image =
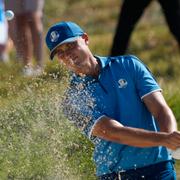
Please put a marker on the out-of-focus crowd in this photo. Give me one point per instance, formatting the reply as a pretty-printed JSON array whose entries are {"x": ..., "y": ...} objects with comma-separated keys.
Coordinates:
[{"x": 25, "y": 32}]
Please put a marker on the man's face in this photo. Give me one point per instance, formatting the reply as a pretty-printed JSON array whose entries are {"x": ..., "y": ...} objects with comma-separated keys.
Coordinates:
[{"x": 74, "y": 55}]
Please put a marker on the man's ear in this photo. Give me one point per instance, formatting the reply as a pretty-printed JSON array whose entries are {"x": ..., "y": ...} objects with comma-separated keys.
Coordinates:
[{"x": 86, "y": 38}]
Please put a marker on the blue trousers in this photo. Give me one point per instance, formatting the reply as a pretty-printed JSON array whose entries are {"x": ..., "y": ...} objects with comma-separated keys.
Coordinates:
[{"x": 159, "y": 171}]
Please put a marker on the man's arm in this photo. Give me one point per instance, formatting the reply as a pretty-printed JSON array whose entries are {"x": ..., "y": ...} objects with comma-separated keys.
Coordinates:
[
  {"x": 160, "y": 110},
  {"x": 111, "y": 130}
]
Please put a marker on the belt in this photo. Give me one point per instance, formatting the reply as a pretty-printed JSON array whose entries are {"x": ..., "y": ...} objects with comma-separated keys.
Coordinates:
[{"x": 139, "y": 173}]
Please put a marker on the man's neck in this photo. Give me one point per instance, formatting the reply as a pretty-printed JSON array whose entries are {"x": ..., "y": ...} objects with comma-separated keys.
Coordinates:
[{"x": 95, "y": 70}]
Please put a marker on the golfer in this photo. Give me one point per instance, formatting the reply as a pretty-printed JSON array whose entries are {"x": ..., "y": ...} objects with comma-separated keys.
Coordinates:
[{"x": 117, "y": 103}]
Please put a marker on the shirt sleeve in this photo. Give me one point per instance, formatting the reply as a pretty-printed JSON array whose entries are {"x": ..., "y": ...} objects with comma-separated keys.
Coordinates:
[{"x": 144, "y": 80}]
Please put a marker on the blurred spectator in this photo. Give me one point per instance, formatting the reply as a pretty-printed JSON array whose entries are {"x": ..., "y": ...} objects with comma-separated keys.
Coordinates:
[
  {"x": 28, "y": 36},
  {"x": 131, "y": 12},
  {"x": 3, "y": 34}
]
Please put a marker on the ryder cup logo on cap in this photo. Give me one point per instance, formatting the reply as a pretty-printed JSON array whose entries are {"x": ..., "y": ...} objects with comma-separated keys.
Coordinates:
[
  {"x": 54, "y": 36},
  {"x": 60, "y": 33}
]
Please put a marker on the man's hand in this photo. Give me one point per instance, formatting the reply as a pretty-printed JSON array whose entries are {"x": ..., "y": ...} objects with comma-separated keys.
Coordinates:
[{"x": 172, "y": 140}]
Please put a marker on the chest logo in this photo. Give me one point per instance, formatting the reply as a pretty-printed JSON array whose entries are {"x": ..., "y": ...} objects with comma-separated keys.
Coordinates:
[{"x": 122, "y": 83}]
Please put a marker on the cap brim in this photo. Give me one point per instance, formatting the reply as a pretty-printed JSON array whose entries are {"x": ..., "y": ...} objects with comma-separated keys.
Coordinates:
[{"x": 53, "y": 51}]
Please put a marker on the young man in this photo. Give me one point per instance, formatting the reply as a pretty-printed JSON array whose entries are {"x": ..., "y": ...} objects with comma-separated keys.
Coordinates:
[{"x": 116, "y": 103}]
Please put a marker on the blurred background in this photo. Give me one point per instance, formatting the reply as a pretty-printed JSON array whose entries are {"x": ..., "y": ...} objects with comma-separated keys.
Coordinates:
[{"x": 36, "y": 141}]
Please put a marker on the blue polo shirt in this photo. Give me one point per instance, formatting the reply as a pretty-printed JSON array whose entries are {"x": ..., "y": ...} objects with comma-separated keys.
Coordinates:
[{"x": 117, "y": 93}]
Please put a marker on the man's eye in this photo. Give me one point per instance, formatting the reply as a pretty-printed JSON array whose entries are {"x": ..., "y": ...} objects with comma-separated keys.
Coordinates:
[
  {"x": 70, "y": 46},
  {"x": 60, "y": 52}
]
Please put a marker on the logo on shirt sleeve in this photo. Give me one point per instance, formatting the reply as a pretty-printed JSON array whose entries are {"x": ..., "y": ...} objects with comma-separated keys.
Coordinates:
[{"x": 122, "y": 83}]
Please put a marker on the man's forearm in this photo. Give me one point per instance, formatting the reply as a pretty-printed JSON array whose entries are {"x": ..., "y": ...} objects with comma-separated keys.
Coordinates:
[
  {"x": 138, "y": 137},
  {"x": 112, "y": 130},
  {"x": 166, "y": 120}
]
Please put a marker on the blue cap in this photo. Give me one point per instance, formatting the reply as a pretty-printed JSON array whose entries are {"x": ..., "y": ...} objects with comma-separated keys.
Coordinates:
[{"x": 60, "y": 33}]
